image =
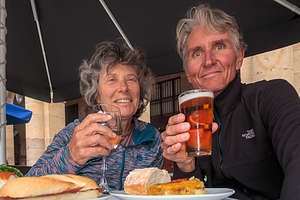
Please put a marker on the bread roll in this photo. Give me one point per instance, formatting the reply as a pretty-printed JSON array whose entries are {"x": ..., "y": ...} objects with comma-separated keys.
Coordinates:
[
  {"x": 139, "y": 180},
  {"x": 58, "y": 187}
]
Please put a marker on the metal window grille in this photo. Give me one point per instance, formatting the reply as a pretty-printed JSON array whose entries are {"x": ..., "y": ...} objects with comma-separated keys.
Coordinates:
[{"x": 165, "y": 97}]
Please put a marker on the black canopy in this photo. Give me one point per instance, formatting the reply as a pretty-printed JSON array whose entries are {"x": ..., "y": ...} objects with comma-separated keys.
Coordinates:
[{"x": 71, "y": 28}]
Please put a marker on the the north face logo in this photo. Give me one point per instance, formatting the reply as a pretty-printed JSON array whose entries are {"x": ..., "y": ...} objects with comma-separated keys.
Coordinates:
[{"x": 248, "y": 134}]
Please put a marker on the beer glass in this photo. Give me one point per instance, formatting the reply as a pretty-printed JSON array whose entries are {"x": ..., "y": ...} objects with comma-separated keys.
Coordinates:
[
  {"x": 115, "y": 125},
  {"x": 197, "y": 106}
]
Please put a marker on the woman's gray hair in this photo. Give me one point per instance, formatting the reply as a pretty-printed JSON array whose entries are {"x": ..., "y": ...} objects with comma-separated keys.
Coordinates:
[
  {"x": 214, "y": 18},
  {"x": 108, "y": 54}
]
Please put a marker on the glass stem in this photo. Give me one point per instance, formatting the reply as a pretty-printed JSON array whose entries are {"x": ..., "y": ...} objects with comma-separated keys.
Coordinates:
[{"x": 103, "y": 166}]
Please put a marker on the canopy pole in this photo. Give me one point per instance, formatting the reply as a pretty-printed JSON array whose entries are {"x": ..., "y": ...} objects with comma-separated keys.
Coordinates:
[
  {"x": 116, "y": 23},
  {"x": 3, "y": 32},
  {"x": 289, "y": 5},
  {"x": 36, "y": 19}
]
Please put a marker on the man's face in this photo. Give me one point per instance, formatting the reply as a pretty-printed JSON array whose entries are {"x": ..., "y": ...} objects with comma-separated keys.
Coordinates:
[{"x": 211, "y": 59}]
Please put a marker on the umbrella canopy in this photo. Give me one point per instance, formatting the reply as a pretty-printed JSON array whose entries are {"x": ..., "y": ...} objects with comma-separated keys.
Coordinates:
[
  {"x": 16, "y": 114},
  {"x": 71, "y": 28}
]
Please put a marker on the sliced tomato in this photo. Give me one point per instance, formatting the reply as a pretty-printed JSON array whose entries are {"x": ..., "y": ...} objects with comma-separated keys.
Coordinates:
[{"x": 179, "y": 180}]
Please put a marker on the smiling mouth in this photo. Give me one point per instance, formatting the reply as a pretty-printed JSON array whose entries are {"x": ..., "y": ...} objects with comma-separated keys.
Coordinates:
[
  {"x": 123, "y": 101},
  {"x": 210, "y": 74}
]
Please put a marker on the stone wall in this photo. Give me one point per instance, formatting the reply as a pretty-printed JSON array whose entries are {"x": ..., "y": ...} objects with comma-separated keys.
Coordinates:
[
  {"x": 10, "y": 153},
  {"x": 281, "y": 63},
  {"x": 47, "y": 119}
]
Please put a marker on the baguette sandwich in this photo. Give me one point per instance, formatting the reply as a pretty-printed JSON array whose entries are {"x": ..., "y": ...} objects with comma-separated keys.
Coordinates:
[
  {"x": 5, "y": 176},
  {"x": 50, "y": 187},
  {"x": 8, "y": 173}
]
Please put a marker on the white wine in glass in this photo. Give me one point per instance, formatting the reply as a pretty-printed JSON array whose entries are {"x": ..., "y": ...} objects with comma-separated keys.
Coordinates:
[{"x": 115, "y": 125}]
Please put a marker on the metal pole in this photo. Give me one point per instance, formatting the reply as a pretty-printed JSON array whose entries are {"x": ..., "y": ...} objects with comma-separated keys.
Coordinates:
[
  {"x": 289, "y": 5},
  {"x": 36, "y": 19},
  {"x": 2, "y": 83},
  {"x": 116, "y": 23}
]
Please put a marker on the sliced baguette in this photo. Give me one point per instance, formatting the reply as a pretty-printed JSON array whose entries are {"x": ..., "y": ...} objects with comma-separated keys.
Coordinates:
[{"x": 139, "y": 180}]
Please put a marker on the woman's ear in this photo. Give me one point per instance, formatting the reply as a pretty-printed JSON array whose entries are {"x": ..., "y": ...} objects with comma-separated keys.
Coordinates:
[{"x": 98, "y": 101}]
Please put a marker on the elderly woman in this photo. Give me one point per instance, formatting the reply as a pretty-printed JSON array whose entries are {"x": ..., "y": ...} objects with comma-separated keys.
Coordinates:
[{"x": 113, "y": 75}]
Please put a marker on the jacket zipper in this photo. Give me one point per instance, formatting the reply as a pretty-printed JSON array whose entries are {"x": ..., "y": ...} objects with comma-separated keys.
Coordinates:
[
  {"x": 220, "y": 153},
  {"x": 220, "y": 148},
  {"x": 122, "y": 168}
]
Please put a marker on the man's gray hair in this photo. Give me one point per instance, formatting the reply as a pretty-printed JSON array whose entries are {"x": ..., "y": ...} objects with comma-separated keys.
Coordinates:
[{"x": 216, "y": 19}]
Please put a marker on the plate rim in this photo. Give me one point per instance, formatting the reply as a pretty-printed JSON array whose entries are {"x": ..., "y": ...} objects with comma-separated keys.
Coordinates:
[{"x": 121, "y": 193}]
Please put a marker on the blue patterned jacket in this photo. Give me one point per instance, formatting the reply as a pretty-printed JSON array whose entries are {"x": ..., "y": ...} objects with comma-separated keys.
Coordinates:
[{"x": 144, "y": 151}]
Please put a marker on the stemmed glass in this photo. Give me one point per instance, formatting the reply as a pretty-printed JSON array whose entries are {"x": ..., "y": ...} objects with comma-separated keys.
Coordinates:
[{"x": 115, "y": 125}]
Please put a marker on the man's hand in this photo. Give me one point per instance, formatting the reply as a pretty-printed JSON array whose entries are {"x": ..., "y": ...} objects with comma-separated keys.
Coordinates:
[
  {"x": 90, "y": 138},
  {"x": 174, "y": 138}
]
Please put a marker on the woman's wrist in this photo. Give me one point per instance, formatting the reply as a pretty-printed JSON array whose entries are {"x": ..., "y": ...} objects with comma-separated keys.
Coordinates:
[{"x": 187, "y": 166}]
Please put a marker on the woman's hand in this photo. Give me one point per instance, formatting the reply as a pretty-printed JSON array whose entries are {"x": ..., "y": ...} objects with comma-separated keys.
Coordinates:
[
  {"x": 89, "y": 140},
  {"x": 174, "y": 138}
]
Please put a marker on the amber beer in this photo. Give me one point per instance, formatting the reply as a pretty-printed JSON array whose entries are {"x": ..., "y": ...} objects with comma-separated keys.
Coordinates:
[{"x": 197, "y": 106}]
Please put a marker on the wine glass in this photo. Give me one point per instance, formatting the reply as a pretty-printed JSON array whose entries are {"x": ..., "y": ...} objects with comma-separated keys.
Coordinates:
[{"x": 115, "y": 125}]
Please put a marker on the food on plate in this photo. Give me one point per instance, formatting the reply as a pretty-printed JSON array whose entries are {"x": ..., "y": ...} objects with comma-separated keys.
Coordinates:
[
  {"x": 5, "y": 168},
  {"x": 154, "y": 181},
  {"x": 139, "y": 180},
  {"x": 5, "y": 176},
  {"x": 180, "y": 187},
  {"x": 8, "y": 173},
  {"x": 50, "y": 187}
]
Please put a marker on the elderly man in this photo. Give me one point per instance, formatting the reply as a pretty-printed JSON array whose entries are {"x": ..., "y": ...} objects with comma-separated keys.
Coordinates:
[{"x": 256, "y": 140}]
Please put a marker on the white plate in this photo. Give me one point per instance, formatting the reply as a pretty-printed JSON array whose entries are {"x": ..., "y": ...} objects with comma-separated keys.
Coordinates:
[
  {"x": 103, "y": 197},
  {"x": 211, "y": 194}
]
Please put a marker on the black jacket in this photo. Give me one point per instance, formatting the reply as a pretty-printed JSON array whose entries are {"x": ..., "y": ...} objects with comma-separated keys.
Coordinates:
[{"x": 256, "y": 149}]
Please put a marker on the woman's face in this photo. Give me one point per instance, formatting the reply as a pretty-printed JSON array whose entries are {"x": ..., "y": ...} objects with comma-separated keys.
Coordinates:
[{"x": 120, "y": 87}]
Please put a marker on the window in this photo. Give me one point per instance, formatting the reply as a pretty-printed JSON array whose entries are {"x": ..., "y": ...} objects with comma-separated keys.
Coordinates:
[
  {"x": 165, "y": 97},
  {"x": 164, "y": 103}
]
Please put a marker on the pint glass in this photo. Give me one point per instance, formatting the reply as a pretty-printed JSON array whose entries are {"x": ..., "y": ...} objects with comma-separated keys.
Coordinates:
[{"x": 197, "y": 106}]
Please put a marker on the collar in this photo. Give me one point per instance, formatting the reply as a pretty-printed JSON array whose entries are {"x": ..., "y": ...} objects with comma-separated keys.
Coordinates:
[
  {"x": 227, "y": 100},
  {"x": 143, "y": 132}
]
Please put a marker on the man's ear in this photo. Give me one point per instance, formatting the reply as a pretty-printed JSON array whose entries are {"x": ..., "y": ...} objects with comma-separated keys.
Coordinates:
[
  {"x": 188, "y": 77},
  {"x": 240, "y": 59}
]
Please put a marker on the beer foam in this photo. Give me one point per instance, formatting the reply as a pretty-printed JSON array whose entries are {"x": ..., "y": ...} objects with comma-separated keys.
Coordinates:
[{"x": 189, "y": 96}]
